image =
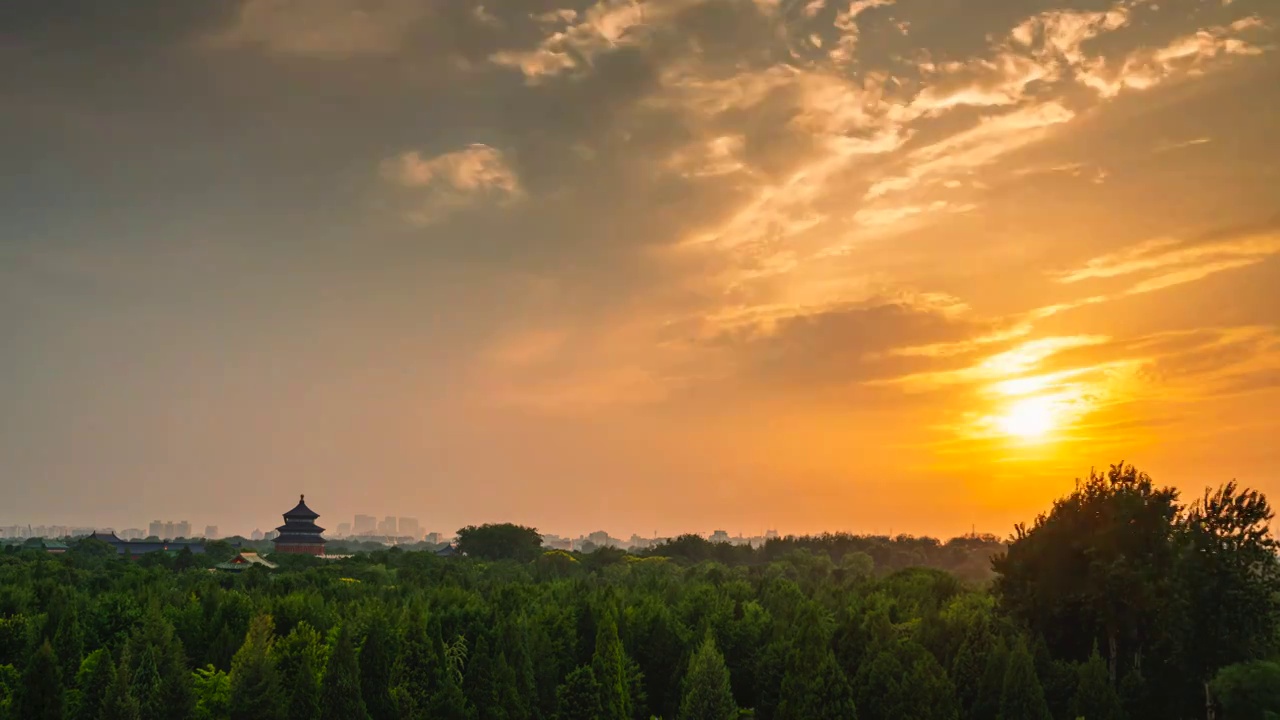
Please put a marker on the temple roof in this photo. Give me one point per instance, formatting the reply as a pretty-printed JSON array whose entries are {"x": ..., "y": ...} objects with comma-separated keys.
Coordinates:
[
  {"x": 299, "y": 527},
  {"x": 299, "y": 540},
  {"x": 301, "y": 511}
]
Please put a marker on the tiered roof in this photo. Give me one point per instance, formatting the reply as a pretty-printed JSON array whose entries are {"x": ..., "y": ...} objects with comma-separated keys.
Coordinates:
[{"x": 299, "y": 526}]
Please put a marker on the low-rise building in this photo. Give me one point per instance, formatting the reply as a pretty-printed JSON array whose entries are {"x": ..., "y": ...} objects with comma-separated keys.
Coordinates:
[
  {"x": 245, "y": 560},
  {"x": 135, "y": 548}
]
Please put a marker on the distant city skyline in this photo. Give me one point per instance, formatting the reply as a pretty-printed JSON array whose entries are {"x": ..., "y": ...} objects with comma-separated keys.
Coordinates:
[
  {"x": 361, "y": 524},
  {"x": 593, "y": 538}
]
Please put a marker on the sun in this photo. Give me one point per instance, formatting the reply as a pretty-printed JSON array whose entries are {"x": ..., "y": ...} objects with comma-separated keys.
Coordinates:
[{"x": 1030, "y": 418}]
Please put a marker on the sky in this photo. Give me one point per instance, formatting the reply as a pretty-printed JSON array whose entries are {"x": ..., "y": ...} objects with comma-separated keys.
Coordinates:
[{"x": 880, "y": 266}]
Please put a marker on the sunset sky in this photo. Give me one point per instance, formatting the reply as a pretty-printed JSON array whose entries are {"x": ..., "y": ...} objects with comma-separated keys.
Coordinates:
[{"x": 673, "y": 265}]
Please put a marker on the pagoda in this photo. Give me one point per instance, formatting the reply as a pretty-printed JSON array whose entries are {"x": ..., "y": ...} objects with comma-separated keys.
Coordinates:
[{"x": 299, "y": 534}]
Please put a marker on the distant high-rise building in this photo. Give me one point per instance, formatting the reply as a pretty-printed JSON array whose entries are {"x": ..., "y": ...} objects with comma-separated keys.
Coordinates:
[
  {"x": 770, "y": 534},
  {"x": 182, "y": 529},
  {"x": 409, "y": 528},
  {"x": 344, "y": 529},
  {"x": 131, "y": 534},
  {"x": 210, "y": 532},
  {"x": 366, "y": 525},
  {"x": 719, "y": 536},
  {"x": 256, "y": 534},
  {"x": 156, "y": 529},
  {"x": 388, "y": 527},
  {"x": 168, "y": 531},
  {"x": 433, "y": 538}
]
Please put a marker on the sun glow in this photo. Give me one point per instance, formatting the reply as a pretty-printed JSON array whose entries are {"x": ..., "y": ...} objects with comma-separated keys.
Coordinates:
[{"x": 1030, "y": 418}]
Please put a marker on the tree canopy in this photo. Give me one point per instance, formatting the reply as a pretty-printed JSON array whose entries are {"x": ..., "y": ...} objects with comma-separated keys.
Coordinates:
[
  {"x": 1121, "y": 602},
  {"x": 503, "y": 541}
]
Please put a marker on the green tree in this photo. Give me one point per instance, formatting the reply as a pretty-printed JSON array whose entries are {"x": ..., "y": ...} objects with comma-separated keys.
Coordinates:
[
  {"x": 299, "y": 659},
  {"x": 68, "y": 639},
  {"x": 1096, "y": 698},
  {"x": 986, "y": 703},
  {"x": 900, "y": 678},
  {"x": 255, "y": 683},
  {"x": 377, "y": 655},
  {"x": 340, "y": 690},
  {"x": 516, "y": 668},
  {"x": 481, "y": 682},
  {"x": 500, "y": 542},
  {"x": 93, "y": 682},
  {"x": 450, "y": 701},
  {"x": 416, "y": 675},
  {"x": 9, "y": 682},
  {"x": 213, "y": 694},
  {"x": 814, "y": 687},
  {"x": 657, "y": 637},
  {"x": 1248, "y": 691},
  {"x": 1134, "y": 693},
  {"x": 609, "y": 664},
  {"x": 1231, "y": 579},
  {"x": 41, "y": 695},
  {"x": 119, "y": 703},
  {"x": 707, "y": 691},
  {"x": 578, "y": 697},
  {"x": 1022, "y": 697},
  {"x": 968, "y": 667},
  {"x": 161, "y": 680},
  {"x": 1099, "y": 565}
]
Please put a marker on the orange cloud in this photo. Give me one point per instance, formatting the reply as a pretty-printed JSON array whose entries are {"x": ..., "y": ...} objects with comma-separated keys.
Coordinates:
[{"x": 452, "y": 181}]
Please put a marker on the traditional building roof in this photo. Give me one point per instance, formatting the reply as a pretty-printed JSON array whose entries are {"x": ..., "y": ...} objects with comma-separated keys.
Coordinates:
[
  {"x": 300, "y": 529},
  {"x": 301, "y": 511},
  {"x": 141, "y": 547},
  {"x": 244, "y": 561},
  {"x": 51, "y": 546}
]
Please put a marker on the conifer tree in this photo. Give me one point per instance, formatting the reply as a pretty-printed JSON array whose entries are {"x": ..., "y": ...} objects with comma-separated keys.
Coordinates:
[
  {"x": 161, "y": 680},
  {"x": 93, "y": 681},
  {"x": 68, "y": 640},
  {"x": 1022, "y": 697},
  {"x": 578, "y": 697},
  {"x": 41, "y": 695},
  {"x": 416, "y": 674},
  {"x": 377, "y": 655},
  {"x": 900, "y": 678},
  {"x": 119, "y": 702},
  {"x": 450, "y": 701},
  {"x": 986, "y": 704},
  {"x": 213, "y": 693},
  {"x": 967, "y": 669},
  {"x": 516, "y": 655},
  {"x": 299, "y": 657},
  {"x": 814, "y": 687},
  {"x": 10, "y": 679},
  {"x": 256, "y": 692},
  {"x": 480, "y": 682},
  {"x": 707, "y": 692},
  {"x": 1095, "y": 697},
  {"x": 609, "y": 665},
  {"x": 507, "y": 690},
  {"x": 1133, "y": 692},
  {"x": 340, "y": 690}
]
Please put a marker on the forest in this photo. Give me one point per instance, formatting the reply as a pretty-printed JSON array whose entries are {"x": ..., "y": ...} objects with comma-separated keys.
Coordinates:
[{"x": 1122, "y": 600}]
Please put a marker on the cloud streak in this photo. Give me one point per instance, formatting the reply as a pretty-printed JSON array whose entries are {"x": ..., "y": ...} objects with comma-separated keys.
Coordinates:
[{"x": 453, "y": 181}]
